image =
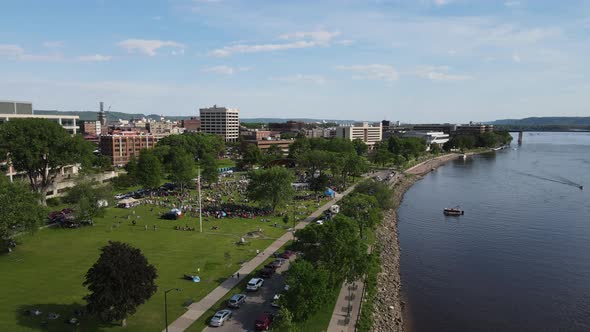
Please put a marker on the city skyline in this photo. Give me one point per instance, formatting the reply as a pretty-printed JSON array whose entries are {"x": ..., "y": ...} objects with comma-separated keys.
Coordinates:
[{"x": 412, "y": 61}]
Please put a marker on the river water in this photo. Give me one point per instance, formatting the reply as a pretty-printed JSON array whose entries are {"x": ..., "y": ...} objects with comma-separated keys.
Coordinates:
[{"x": 519, "y": 259}]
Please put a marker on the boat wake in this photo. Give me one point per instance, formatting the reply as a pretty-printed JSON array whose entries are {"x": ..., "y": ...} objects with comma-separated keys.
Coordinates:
[{"x": 556, "y": 179}]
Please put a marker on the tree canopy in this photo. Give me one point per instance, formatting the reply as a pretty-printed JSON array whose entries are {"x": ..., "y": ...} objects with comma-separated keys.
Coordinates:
[
  {"x": 40, "y": 148},
  {"x": 309, "y": 289},
  {"x": 363, "y": 209},
  {"x": 19, "y": 210},
  {"x": 271, "y": 187},
  {"x": 121, "y": 280},
  {"x": 149, "y": 169},
  {"x": 88, "y": 198}
]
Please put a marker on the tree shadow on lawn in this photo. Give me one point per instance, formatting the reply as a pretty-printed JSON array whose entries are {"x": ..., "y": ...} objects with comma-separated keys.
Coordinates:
[{"x": 66, "y": 312}]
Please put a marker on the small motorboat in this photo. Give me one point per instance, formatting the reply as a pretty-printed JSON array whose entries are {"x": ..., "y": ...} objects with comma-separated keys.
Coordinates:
[{"x": 453, "y": 211}]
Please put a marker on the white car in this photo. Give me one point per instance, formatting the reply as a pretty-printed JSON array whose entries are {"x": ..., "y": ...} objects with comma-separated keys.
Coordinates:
[
  {"x": 254, "y": 284},
  {"x": 220, "y": 317},
  {"x": 319, "y": 222}
]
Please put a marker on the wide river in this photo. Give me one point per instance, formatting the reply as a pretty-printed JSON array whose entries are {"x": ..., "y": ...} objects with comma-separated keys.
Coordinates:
[{"x": 519, "y": 259}]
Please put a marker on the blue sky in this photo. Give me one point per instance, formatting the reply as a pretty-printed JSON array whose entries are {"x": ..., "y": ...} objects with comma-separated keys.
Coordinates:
[{"x": 413, "y": 61}]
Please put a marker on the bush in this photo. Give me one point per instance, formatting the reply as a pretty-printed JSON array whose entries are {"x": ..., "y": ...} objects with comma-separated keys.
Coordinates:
[
  {"x": 53, "y": 201},
  {"x": 123, "y": 181}
]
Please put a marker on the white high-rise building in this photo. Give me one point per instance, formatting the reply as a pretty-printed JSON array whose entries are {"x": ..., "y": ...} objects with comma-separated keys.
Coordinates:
[
  {"x": 370, "y": 134},
  {"x": 221, "y": 121}
]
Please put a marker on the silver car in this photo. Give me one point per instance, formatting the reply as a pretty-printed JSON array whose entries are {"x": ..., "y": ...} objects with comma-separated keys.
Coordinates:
[
  {"x": 220, "y": 317},
  {"x": 236, "y": 300}
]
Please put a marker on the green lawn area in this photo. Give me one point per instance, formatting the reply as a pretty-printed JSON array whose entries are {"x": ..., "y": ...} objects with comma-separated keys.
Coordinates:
[
  {"x": 225, "y": 163},
  {"x": 47, "y": 268}
]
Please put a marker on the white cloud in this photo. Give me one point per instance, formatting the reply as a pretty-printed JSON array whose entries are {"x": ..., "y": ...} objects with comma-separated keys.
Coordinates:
[
  {"x": 225, "y": 70},
  {"x": 320, "y": 36},
  {"x": 147, "y": 46},
  {"x": 53, "y": 44},
  {"x": 440, "y": 73},
  {"x": 94, "y": 58},
  {"x": 240, "y": 48},
  {"x": 13, "y": 51},
  {"x": 512, "y": 4},
  {"x": 316, "y": 79},
  {"x": 442, "y": 2},
  {"x": 516, "y": 58},
  {"x": 297, "y": 40},
  {"x": 345, "y": 42},
  {"x": 372, "y": 72}
]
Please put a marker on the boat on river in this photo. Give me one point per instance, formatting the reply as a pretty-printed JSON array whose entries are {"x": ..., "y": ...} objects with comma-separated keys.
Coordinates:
[{"x": 456, "y": 211}]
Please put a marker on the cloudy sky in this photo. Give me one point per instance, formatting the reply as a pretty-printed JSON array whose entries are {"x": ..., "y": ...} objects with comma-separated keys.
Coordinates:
[{"x": 413, "y": 61}]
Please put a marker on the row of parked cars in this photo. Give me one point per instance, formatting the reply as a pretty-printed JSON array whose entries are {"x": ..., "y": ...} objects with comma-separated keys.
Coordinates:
[{"x": 265, "y": 319}]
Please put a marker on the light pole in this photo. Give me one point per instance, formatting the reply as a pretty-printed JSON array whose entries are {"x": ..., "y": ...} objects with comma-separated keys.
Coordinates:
[{"x": 166, "y": 304}]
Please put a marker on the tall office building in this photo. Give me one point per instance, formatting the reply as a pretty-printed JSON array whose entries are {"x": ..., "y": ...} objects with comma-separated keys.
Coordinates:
[
  {"x": 370, "y": 134},
  {"x": 221, "y": 121}
]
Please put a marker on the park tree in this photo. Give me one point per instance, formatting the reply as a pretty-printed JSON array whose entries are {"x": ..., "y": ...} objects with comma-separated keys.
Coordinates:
[
  {"x": 88, "y": 199},
  {"x": 319, "y": 183},
  {"x": 271, "y": 187},
  {"x": 299, "y": 146},
  {"x": 309, "y": 289},
  {"x": 435, "y": 148},
  {"x": 182, "y": 169},
  {"x": 209, "y": 170},
  {"x": 40, "y": 149},
  {"x": 149, "y": 169},
  {"x": 121, "y": 280},
  {"x": 363, "y": 209},
  {"x": 379, "y": 190},
  {"x": 284, "y": 321},
  {"x": 274, "y": 152},
  {"x": 381, "y": 155},
  {"x": 19, "y": 210},
  {"x": 251, "y": 155},
  {"x": 360, "y": 147}
]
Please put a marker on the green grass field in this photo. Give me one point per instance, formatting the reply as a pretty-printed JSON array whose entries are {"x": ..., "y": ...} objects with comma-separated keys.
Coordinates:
[{"x": 47, "y": 269}]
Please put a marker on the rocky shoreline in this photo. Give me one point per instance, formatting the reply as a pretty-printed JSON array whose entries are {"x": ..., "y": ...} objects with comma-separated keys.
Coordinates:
[{"x": 388, "y": 315}]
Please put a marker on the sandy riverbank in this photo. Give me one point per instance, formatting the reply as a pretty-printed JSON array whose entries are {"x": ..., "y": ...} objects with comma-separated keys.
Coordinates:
[{"x": 389, "y": 305}]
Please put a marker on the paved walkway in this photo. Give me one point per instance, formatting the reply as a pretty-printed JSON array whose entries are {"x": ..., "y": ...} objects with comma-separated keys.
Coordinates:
[
  {"x": 196, "y": 310},
  {"x": 348, "y": 306}
]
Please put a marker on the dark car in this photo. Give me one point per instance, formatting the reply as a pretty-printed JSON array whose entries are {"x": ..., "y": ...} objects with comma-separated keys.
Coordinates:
[
  {"x": 275, "y": 264},
  {"x": 236, "y": 301},
  {"x": 267, "y": 272},
  {"x": 262, "y": 322},
  {"x": 287, "y": 254}
]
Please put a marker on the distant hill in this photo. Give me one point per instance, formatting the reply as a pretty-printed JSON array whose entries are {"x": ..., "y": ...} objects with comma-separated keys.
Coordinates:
[
  {"x": 113, "y": 116},
  {"x": 554, "y": 123}
]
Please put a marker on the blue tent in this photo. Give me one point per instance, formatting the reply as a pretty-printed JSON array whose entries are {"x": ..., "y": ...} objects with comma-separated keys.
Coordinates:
[{"x": 330, "y": 192}]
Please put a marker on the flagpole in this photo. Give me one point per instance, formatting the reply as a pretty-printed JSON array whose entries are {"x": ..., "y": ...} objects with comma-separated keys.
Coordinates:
[{"x": 200, "y": 209}]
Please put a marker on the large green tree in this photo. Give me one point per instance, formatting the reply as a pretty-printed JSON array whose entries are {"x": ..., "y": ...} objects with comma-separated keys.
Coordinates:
[
  {"x": 271, "y": 187},
  {"x": 251, "y": 155},
  {"x": 309, "y": 289},
  {"x": 89, "y": 199},
  {"x": 40, "y": 149},
  {"x": 209, "y": 169},
  {"x": 19, "y": 210},
  {"x": 363, "y": 209},
  {"x": 182, "y": 169},
  {"x": 149, "y": 171},
  {"x": 121, "y": 280}
]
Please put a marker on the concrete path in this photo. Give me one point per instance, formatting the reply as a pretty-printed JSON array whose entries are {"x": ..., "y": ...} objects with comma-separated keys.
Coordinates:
[
  {"x": 348, "y": 306},
  {"x": 196, "y": 310}
]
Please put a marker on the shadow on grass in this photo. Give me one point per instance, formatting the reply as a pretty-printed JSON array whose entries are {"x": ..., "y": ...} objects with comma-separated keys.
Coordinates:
[{"x": 42, "y": 322}]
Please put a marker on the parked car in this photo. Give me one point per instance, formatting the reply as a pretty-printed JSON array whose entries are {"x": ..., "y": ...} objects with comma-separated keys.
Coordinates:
[
  {"x": 254, "y": 284},
  {"x": 220, "y": 317},
  {"x": 267, "y": 272},
  {"x": 287, "y": 254},
  {"x": 319, "y": 222},
  {"x": 236, "y": 300},
  {"x": 262, "y": 322},
  {"x": 275, "y": 264}
]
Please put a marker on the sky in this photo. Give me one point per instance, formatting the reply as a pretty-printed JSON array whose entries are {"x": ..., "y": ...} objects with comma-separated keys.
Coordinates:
[{"x": 414, "y": 61}]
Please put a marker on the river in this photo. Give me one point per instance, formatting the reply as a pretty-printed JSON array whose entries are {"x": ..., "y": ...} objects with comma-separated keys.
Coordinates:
[{"x": 519, "y": 259}]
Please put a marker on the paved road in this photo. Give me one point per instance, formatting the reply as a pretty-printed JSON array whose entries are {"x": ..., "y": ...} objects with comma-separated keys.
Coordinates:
[{"x": 256, "y": 303}]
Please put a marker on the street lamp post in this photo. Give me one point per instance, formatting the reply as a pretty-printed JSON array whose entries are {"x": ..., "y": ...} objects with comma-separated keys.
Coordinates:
[{"x": 166, "y": 304}]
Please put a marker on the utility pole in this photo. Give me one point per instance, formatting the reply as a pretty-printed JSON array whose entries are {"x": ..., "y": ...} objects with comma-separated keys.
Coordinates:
[
  {"x": 200, "y": 207},
  {"x": 166, "y": 304}
]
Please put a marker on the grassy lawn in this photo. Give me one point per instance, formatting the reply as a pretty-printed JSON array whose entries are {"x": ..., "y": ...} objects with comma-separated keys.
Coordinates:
[
  {"x": 47, "y": 268},
  {"x": 225, "y": 163}
]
